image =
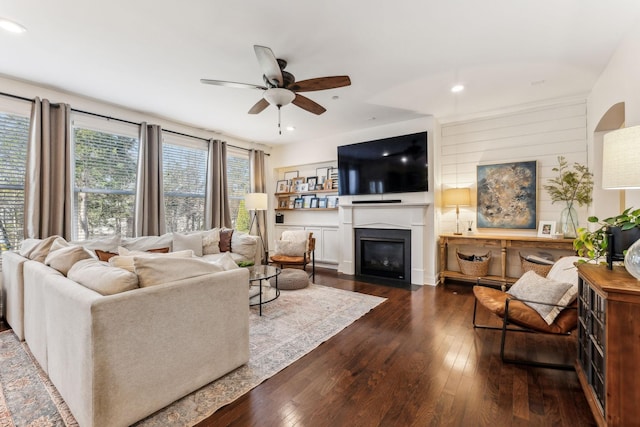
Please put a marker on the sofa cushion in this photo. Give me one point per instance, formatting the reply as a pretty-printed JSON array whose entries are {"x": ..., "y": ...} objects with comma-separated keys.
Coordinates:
[
  {"x": 153, "y": 271},
  {"x": 126, "y": 261},
  {"x": 64, "y": 258},
  {"x": 102, "y": 278},
  {"x": 37, "y": 249},
  {"x": 104, "y": 255},
  {"x": 108, "y": 243},
  {"x": 225, "y": 239},
  {"x": 183, "y": 242},
  {"x": 533, "y": 287},
  {"x": 147, "y": 242},
  {"x": 211, "y": 242}
]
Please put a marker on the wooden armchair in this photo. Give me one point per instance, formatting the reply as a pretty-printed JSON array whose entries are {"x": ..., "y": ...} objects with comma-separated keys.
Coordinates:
[
  {"x": 296, "y": 249},
  {"x": 519, "y": 311}
]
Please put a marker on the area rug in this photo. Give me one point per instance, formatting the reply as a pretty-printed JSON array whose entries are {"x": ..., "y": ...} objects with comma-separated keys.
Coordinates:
[{"x": 290, "y": 327}]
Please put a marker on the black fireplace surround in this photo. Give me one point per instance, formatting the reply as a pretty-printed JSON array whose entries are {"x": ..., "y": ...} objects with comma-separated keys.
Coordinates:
[{"x": 383, "y": 255}]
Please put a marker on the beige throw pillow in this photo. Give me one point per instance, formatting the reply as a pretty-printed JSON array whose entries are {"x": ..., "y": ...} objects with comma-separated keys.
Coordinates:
[
  {"x": 244, "y": 244},
  {"x": 183, "y": 242},
  {"x": 211, "y": 242},
  {"x": 102, "y": 278},
  {"x": 37, "y": 249},
  {"x": 153, "y": 271},
  {"x": 63, "y": 259},
  {"x": 543, "y": 291},
  {"x": 108, "y": 244}
]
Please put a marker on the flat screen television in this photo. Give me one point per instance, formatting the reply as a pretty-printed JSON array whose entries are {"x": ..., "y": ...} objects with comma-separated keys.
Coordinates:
[{"x": 390, "y": 165}]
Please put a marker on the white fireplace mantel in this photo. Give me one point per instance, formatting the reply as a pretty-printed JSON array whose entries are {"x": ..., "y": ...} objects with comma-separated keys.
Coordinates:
[{"x": 404, "y": 216}]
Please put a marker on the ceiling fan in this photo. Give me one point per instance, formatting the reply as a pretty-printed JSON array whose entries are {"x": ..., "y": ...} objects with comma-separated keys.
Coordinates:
[{"x": 280, "y": 87}]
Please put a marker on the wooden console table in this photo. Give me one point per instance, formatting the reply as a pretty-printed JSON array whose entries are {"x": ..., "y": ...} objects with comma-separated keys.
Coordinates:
[{"x": 490, "y": 241}]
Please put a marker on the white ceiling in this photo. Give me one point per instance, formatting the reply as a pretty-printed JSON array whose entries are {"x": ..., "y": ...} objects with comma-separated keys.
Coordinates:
[{"x": 402, "y": 56}]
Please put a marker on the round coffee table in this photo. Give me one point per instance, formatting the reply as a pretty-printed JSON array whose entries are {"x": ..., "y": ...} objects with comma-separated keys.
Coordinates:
[{"x": 259, "y": 276}]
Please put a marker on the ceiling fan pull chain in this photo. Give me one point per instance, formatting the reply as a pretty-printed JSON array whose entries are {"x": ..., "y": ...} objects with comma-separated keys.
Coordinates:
[{"x": 279, "y": 127}]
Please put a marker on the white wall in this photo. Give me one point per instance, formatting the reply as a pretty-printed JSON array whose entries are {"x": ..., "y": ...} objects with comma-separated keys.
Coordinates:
[
  {"x": 28, "y": 90},
  {"x": 619, "y": 82},
  {"x": 542, "y": 133}
]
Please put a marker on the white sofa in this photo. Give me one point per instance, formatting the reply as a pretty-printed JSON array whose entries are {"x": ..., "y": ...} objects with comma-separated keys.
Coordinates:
[{"x": 117, "y": 358}]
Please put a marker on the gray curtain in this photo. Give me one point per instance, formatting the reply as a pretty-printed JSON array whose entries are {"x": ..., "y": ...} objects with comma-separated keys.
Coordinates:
[
  {"x": 149, "y": 217},
  {"x": 259, "y": 185},
  {"x": 48, "y": 186},
  {"x": 217, "y": 212}
]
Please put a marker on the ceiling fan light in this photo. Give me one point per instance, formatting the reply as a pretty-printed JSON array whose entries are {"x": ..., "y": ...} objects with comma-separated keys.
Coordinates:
[{"x": 279, "y": 96}]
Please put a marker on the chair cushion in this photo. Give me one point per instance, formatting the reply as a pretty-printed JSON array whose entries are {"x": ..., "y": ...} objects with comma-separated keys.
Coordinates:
[
  {"x": 284, "y": 259},
  {"x": 522, "y": 315}
]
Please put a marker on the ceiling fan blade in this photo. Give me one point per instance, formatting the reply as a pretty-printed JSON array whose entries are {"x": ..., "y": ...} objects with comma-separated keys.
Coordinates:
[
  {"x": 309, "y": 105},
  {"x": 269, "y": 64},
  {"x": 320, "y": 83},
  {"x": 259, "y": 106},
  {"x": 232, "y": 84}
]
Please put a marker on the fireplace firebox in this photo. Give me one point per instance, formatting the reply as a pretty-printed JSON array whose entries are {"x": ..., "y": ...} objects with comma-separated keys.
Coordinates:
[{"x": 383, "y": 255}]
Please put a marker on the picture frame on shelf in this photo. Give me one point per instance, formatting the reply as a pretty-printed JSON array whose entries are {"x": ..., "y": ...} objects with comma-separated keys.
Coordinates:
[
  {"x": 306, "y": 203},
  {"x": 292, "y": 204},
  {"x": 301, "y": 188},
  {"x": 312, "y": 182},
  {"x": 282, "y": 186},
  {"x": 298, "y": 203},
  {"x": 290, "y": 175},
  {"x": 283, "y": 202},
  {"x": 322, "y": 174},
  {"x": 332, "y": 202},
  {"x": 314, "y": 203},
  {"x": 297, "y": 181},
  {"x": 328, "y": 184},
  {"x": 322, "y": 203},
  {"x": 546, "y": 229}
]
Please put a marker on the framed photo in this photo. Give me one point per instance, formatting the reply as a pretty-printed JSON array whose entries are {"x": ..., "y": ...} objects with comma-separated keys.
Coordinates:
[
  {"x": 507, "y": 195},
  {"x": 312, "y": 181},
  {"x": 332, "y": 202},
  {"x": 322, "y": 174},
  {"x": 282, "y": 186},
  {"x": 289, "y": 176},
  {"x": 322, "y": 203},
  {"x": 283, "y": 202},
  {"x": 297, "y": 180},
  {"x": 301, "y": 188},
  {"x": 292, "y": 204},
  {"x": 306, "y": 203},
  {"x": 546, "y": 229},
  {"x": 314, "y": 202},
  {"x": 328, "y": 184},
  {"x": 298, "y": 203}
]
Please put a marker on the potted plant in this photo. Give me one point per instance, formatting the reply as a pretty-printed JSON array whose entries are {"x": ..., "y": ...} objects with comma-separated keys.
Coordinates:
[
  {"x": 571, "y": 186},
  {"x": 620, "y": 231}
]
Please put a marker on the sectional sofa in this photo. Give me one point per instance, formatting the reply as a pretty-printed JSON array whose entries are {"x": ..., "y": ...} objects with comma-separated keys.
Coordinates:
[{"x": 123, "y": 338}]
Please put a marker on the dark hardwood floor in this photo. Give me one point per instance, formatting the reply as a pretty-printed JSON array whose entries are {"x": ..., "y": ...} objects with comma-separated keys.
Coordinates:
[{"x": 416, "y": 360}]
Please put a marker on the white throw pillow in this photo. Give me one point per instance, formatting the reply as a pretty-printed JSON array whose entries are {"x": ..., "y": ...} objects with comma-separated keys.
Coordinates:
[
  {"x": 565, "y": 271},
  {"x": 37, "y": 249},
  {"x": 290, "y": 248},
  {"x": 296, "y": 236},
  {"x": 153, "y": 271},
  {"x": 126, "y": 261},
  {"x": 533, "y": 287},
  {"x": 183, "y": 242},
  {"x": 244, "y": 244},
  {"x": 226, "y": 262},
  {"x": 59, "y": 243},
  {"x": 210, "y": 242},
  {"x": 102, "y": 278},
  {"x": 64, "y": 258}
]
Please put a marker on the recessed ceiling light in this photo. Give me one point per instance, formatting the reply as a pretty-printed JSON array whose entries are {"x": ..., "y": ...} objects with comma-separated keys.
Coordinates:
[
  {"x": 291, "y": 128},
  {"x": 334, "y": 97},
  {"x": 11, "y": 26},
  {"x": 457, "y": 88}
]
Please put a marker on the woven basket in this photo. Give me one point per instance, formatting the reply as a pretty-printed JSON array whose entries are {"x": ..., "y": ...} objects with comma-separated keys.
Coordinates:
[
  {"x": 474, "y": 268},
  {"x": 539, "y": 269}
]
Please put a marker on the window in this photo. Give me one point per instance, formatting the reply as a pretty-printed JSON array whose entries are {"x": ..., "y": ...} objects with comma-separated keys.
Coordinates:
[
  {"x": 184, "y": 164},
  {"x": 106, "y": 159},
  {"x": 238, "y": 184},
  {"x": 14, "y": 136}
]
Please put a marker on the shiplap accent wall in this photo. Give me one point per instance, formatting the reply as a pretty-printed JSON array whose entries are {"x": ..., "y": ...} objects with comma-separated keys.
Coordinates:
[{"x": 540, "y": 134}]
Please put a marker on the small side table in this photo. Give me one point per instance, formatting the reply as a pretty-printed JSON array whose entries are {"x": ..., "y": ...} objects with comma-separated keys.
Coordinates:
[{"x": 258, "y": 276}]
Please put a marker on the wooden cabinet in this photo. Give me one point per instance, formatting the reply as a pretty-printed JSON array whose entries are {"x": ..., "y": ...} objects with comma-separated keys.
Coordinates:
[
  {"x": 499, "y": 246},
  {"x": 609, "y": 343}
]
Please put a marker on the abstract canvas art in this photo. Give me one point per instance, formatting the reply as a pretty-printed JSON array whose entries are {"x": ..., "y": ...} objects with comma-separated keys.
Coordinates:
[{"x": 507, "y": 195}]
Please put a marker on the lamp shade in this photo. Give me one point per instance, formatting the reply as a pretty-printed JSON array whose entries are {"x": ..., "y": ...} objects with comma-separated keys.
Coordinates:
[
  {"x": 457, "y": 197},
  {"x": 621, "y": 159},
  {"x": 255, "y": 201},
  {"x": 279, "y": 96}
]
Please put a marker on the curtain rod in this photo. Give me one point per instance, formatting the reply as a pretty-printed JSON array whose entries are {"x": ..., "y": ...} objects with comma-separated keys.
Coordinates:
[{"x": 22, "y": 98}]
